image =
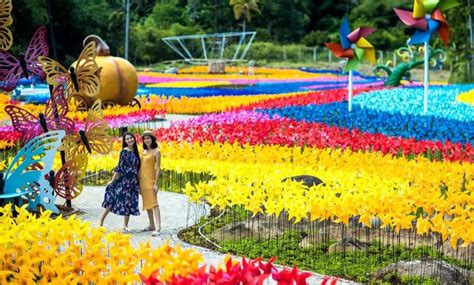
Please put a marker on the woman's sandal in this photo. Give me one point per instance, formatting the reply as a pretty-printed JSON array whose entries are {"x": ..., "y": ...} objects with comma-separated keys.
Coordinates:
[
  {"x": 126, "y": 231},
  {"x": 148, "y": 229},
  {"x": 155, "y": 233}
]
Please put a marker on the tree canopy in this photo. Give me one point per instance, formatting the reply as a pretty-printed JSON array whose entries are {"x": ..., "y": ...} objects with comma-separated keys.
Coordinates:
[{"x": 280, "y": 21}]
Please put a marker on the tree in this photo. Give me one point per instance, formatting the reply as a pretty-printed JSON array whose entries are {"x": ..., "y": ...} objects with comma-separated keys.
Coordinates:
[{"x": 244, "y": 8}]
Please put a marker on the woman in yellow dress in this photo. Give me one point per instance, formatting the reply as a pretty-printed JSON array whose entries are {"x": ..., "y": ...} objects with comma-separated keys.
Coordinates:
[{"x": 149, "y": 175}]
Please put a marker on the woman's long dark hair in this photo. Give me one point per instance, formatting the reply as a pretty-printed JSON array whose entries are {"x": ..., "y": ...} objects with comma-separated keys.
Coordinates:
[
  {"x": 153, "y": 145},
  {"x": 135, "y": 146}
]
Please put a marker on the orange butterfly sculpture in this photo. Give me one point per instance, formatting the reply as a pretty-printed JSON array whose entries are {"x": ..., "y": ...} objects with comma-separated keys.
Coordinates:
[
  {"x": 82, "y": 78},
  {"x": 6, "y": 37},
  {"x": 92, "y": 138},
  {"x": 66, "y": 182}
]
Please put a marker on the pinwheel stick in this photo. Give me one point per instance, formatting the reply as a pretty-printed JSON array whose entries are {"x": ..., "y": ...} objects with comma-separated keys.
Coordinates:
[
  {"x": 350, "y": 91},
  {"x": 426, "y": 79}
]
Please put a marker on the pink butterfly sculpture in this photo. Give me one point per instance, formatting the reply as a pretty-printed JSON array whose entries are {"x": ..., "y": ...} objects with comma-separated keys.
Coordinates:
[
  {"x": 12, "y": 68},
  {"x": 54, "y": 117}
]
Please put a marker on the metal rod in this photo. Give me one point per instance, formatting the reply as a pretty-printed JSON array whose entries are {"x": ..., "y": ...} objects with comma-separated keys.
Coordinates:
[
  {"x": 350, "y": 91},
  {"x": 248, "y": 43},
  {"x": 127, "y": 23},
  {"x": 203, "y": 43},
  {"x": 426, "y": 80},
  {"x": 185, "y": 50}
]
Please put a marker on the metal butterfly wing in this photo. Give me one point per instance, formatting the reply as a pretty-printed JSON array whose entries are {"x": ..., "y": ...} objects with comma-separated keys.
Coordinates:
[
  {"x": 67, "y": 182},
  {"x": 83, "y": 78},
  {"x": 24, "y": 122},
  {"x": 38, "y": 47},
  {"x": 12, "y": 69},
  {"x": 26, "y": 173},
  {"x": 6, "y": 37},
  {"x": 87, "y": 71},
  {"x": 56, "y": 111},
  {"x": 93, "y": 138},
  {"x": 54, "y": 117}
]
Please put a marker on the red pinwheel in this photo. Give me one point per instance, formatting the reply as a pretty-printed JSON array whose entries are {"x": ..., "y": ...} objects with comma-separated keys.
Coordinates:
[
  {"x": 427, "y": 18},
  {"x": 353, "y": 46}
]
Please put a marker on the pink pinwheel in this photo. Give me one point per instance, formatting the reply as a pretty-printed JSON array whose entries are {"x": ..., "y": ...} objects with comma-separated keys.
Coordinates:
[
  {"x": 353, "y": 46},
  {"x": 427, "y": 18}
]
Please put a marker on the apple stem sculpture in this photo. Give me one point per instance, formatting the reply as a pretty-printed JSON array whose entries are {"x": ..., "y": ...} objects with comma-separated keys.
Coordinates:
[
  {"x": 427, "y": 18},
  {"x": 354, "y": 48}
]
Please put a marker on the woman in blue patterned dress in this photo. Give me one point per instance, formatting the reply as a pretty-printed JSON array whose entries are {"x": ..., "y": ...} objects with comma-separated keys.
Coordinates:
[{"x": 121, "y": 193}]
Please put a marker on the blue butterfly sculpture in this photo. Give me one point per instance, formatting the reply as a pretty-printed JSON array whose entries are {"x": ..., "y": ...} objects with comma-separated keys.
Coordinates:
[{"x": 26, "y": 174}]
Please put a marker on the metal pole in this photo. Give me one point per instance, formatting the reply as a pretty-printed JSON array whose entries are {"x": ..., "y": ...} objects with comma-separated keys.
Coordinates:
[
  {"x": 471, "y": 39},
  {"x": 127, "y": 23},
  {"x": 51, "y": 30},
  {"x": 314, "y": 54},
  {"x": 469, "y": 23},
  {"x": 350, "y": 90},
  {"x": 426, "y": 79}
]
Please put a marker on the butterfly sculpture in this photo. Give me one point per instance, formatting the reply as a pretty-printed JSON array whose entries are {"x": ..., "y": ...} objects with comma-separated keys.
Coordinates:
[
  {"x": 92, "y": 138},
  {"x": 6, "y": 37},
  {"x": 26, "y": 174},
  {"x": 12, "y": 68},
  {"x": 54, "y": 117},
  {"x": 353, "y": 46},
  {"x": 82, "y": 78},
  {"x": 66, "y": 182}
]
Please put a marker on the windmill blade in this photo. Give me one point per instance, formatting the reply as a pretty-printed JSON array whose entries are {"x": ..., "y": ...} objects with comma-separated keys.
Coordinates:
[
  {"x": 447, "y": 4},
  {"x": 407, "y": 18},
  {"x": 368, "y": 48},
  {"x": 419, "y": 9},
  {"x": 338, "y": 51},
  {"x": 428, "y": 6},
  {"x": 362, "y": 32},
  {"x": 351, "y": 64},
  {"x": 344, "y": 32},
  {"x": 443, "y": 29},
  {"x": 359, "y": 52}
]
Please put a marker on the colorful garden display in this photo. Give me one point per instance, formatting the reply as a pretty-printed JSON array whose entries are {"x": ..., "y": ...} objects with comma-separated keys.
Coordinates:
[
  {"x": 395, "y": 179},
  {"x": 384, "y": 153}
]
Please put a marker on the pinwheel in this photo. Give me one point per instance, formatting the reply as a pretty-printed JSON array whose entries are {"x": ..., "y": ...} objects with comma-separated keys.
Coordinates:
[
  {"x": 353, "y": 47},
  {"x": 427, "y": 18}
]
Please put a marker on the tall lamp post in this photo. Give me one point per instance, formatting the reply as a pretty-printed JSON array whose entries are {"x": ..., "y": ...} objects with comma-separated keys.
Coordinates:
[
  {"x": 127, "y": 23},
  {"x": 471, "y": 42}
]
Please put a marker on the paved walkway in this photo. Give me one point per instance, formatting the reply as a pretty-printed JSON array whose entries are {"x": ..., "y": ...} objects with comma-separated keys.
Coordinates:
[{"x": 174, "y": 217}]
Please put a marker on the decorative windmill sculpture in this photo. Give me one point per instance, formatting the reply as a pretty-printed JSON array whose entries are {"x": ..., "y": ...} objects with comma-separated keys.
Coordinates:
[
  {"x": 427, "y": 18},
  {"x": 354, "y": 47}
]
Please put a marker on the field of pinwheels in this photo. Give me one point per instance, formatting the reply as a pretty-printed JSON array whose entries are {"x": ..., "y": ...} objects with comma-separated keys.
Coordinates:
[{"x": 383, "y": 183}]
